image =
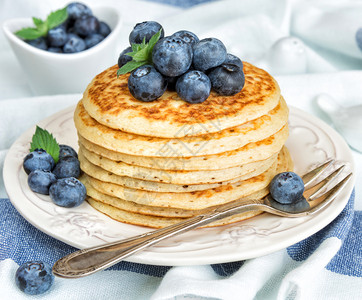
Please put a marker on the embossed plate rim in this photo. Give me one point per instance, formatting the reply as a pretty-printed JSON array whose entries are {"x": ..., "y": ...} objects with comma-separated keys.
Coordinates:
[{"x": 239, "y": 241}]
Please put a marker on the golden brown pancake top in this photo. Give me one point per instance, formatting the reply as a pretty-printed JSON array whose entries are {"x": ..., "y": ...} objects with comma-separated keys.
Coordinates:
[{"x": 107, "y": 99}]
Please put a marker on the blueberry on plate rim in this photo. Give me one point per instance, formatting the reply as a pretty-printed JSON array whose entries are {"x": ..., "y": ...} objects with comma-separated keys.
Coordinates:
[
  {"x": 38, "y": 159},
  {"x": 39, "y": 181},
  {"x": 67, "y": 166},
  {"x": 68, "y": 192}
]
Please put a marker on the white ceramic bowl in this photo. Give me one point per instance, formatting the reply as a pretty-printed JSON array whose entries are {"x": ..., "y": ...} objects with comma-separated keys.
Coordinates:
[{"x": 53, "y": 73}]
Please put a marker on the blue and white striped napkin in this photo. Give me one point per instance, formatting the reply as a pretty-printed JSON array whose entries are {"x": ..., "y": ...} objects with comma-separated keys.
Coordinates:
[{"x": 327, "y": 265}]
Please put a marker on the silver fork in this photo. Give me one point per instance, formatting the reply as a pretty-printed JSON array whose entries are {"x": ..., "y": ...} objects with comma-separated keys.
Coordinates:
[{"x": 88, "y": 261}]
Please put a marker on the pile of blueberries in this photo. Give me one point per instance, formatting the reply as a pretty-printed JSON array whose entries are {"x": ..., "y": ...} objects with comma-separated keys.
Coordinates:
[
  {"x": 59, "y": 180},
  {"x": 82, "y": 30},
  {"x": 183, "y": 63}
]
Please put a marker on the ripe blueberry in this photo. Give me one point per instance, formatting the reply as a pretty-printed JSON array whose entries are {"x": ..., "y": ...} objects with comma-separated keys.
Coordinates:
[
  {"x": 146, "y": 84},
  {"x": 144, "y": 30},
  {"x": 286, "y": 188},
  {"x": 67, "y": 167},
  {"x": 123, "y": 58},
  {"x": 187, "y": 36},
  {"x": 193, "y": 87},
  {"x": 38, "y": 159},
  {"x": 40, "y": 181},
  {"x": 68, "y": 192},
  {"x": 208, "y": 53},
  {"x": 172, "y": 56},
  {"x": 34, "y": 277},
  {"x": 227, "y": 79}
]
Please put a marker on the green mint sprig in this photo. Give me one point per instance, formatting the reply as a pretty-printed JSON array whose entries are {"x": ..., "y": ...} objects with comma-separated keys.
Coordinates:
[
  {"x": 42, "y": 139},
  {"x": 141, "y": 54},
  {"x": 41, "y": 28}
]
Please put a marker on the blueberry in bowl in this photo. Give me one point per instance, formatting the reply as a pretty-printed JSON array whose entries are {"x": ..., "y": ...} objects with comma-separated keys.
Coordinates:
[{"x": 76, "y": 66}]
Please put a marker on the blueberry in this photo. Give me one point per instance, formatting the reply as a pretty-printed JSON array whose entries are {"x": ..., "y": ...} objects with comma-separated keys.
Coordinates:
[
  {"x": 39, "y": 43},
  {"x": 146, "y": 84},
  {"x": 144, "y": 30},
  {"x": 187, "y": 36},
  {"x": 234, "y": 60},
  {"x": 68, "y": 192},
  {"x": 93, "y": 39},
  {"x": 76, "y": 10},
  {"x": 65, "y": 150},
  {"x": 193, "y": 87},
  {"x": 172, "y": 56},
  {"x": 286, "y": 187},
  {"x": 74, "y": 44},
  {"x": 55, "y": 50},
  {"x": 86, "y": 25},
  {"x": 40, "y": 181},
  {"x": 34, "y": 277},
  {"x": 208, "y": 53},
  {"x": 123, "y": 58},
  {"x": 67, "y": 167},
  {"x": 104, "y": 29},
  {"x": 39, "y": 159},
  {"x": 57, "y": 37},
  {"x": 227, "y": 79},
  {"x": 299, "y": 206},
  {"x": 171, "y": 82}
]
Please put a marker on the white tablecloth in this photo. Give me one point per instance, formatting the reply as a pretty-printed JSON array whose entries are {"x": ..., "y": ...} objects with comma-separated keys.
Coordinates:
[{"x": 332, "y": 65}]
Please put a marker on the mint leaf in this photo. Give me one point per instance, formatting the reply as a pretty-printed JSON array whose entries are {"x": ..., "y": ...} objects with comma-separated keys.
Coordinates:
[
  {"x": 29, "y": 33},
  {"x": 38, "y": 22},
  {"x": 57, "y": 17},
  {"x": 42, "y": 139},
  {"x": 141, "y": 54},
  {"x": 41, "y": 28},
  {"x": 130, "y": 66}
]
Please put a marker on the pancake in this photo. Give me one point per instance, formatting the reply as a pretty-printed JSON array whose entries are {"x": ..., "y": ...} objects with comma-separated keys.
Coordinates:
[
  {"x": 208, "y": 144},
  {"x": 255, "y": 151},
  {"x": 140, "y": 184},
  {"x": 131, "y": 206},
  {"x": 200, "y": 199},
  {"x": 177, "y": 177},
  {"x": 108, "y": 100},
  {"x": 156, "y": 221}
]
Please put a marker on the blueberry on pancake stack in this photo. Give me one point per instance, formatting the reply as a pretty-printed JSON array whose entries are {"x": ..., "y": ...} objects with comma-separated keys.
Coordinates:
[{"x": 167, "y": 137}]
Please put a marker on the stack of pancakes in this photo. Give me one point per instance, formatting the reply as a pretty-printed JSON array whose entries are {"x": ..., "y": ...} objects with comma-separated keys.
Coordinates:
[{"x": 157, "y": 163}]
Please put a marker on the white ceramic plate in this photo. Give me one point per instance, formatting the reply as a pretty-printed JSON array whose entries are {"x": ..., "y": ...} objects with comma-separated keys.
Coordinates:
[{"x": 311, "y": 142}]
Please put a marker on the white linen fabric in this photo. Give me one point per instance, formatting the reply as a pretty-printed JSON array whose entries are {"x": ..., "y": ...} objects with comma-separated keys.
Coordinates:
[{"x": 311, "y": 47}]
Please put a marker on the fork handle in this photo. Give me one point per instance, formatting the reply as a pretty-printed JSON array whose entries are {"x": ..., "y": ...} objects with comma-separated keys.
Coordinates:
[{"x": 88, "y": 261}]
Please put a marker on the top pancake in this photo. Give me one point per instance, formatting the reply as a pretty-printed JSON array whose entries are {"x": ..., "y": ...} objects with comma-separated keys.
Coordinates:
[{"x": 108, "y": 100}]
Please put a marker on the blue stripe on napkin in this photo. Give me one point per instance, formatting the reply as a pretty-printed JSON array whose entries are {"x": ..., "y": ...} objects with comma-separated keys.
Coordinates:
[
  {"x": 21, "y": 242},
  {"x": 346, "y": 227}
]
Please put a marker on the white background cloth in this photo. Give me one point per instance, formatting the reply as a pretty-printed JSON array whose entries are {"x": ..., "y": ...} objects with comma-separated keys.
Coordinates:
[{"x": 333, "y": 64}]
